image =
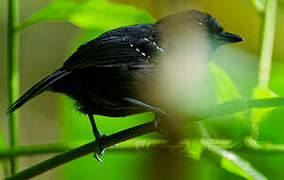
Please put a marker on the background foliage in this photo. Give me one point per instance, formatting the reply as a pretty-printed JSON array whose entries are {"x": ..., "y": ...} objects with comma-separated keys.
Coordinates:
[{"x": 243, "y": 145}]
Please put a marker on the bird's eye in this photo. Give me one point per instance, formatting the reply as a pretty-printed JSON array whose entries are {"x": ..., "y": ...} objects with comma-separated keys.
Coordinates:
[{"x": 200, "y": 23}]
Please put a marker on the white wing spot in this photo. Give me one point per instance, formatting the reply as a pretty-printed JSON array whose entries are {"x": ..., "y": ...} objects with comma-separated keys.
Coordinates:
[
  {"x": 131, "y": 45},
  {"x": 161, "y": 49},
  {"x": 146, "y": 39},
  {"x": 143, "y": 54},
  {"x": 137, "y": 50},
  {"x": 158, "y": 48}
]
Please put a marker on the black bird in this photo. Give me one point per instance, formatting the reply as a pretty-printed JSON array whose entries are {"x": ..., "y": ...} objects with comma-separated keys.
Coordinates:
[{"x": 102, "y": 75}]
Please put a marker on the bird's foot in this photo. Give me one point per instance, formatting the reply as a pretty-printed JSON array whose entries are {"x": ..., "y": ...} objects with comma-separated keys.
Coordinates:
[
  {"x": 160, "y": 126},
  {"x": 99, "y": 151}
]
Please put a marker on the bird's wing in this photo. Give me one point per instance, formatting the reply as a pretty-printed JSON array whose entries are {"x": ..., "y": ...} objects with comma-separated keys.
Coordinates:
[{"x": 113, "y": 52}]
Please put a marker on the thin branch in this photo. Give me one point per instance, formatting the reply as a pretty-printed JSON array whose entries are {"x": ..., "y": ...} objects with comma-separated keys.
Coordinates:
[
  {"x": 221, "y": 109},
  {"x": 54, "y": 162},
  {"x": 239, "y": 105},
  {"x": 13, "y": 74},
  {"x": 84, "y": 150},
  {"x": 35, "y": 150}
]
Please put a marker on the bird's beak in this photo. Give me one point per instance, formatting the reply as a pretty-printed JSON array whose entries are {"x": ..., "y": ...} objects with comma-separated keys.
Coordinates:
[{"x": 225, "y": 37}]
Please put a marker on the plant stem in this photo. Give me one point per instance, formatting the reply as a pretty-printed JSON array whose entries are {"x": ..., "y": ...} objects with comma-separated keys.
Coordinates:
[
  {"x": 34, "y": 150},
  {"x": 267, "y": 43},
  {"x": 13, "y": 74},
  {"x": 226, "y": 108}
]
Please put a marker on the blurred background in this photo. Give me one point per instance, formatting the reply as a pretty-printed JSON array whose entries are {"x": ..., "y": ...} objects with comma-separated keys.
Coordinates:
[{"x": 50, "y": 118}]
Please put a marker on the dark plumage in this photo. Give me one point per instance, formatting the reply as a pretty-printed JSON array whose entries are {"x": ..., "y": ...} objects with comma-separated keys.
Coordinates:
[{"x": 101, "y": 76}]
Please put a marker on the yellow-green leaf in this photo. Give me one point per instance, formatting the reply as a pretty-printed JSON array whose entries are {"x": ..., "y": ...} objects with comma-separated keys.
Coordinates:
[
  {"x": 259, "y": 5},
  {"x": 90, "y": 14},
  {"x": 224, "y": 87},
  {"x": 258, "y": 114}
]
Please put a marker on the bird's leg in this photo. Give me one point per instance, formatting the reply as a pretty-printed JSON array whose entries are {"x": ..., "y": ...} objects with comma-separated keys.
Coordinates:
[
  {"x": 144, "y": 105},
  {"x": 163, "y": 121},
  {"x": 158, "y": 113},
  {"x": 161, "y": 125},
  {"x": 99, "y": 138}
]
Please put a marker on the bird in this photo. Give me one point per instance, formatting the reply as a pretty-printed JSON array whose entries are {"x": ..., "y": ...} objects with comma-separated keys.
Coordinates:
[{"x": 101, "y": 76}]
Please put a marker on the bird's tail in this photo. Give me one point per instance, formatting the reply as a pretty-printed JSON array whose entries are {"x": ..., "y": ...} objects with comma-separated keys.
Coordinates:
[{"x": 38, "y": 88}]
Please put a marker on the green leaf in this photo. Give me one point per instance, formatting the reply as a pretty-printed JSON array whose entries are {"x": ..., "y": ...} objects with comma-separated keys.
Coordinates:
[
  {"x": 259, "y": 5},
  {"x": 140, "y": 144},
  {"x": 263, "y": 145},
  {"x": 193, "y": 149},
  {"x": 235, "y": 164},
  {"x": 258, "y": 114},
  {"x": 89, "y": 14},
  {"x": 224, "y": 87}
]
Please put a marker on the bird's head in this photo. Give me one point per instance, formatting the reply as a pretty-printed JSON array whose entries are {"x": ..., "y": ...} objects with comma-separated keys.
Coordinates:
[
  {"x": 189, "y": 38},
  {"x": 196, "y": 22}
]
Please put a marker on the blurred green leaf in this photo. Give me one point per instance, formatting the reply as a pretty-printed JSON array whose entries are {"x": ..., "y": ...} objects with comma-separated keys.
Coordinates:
[
  {"x": 140, "y": 143},
  {"x": 193, "y": 149},
  {"x": 232, "y": 162},
  {"x": 258, "y": 114},
  {"x": 235, "y": 164},
  {"x": 259, "y": 5},
  {"x": 225, "y": 89},
  {"x": 90, "y": 14},
  {"x": 263, "y": 145}
]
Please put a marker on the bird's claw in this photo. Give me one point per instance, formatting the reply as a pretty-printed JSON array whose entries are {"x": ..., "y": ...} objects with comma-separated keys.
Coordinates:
[
  {"x": 160, "y": 126},
  {"x": 99, "y": 155},
  {"x": 97, "y": 148}
]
